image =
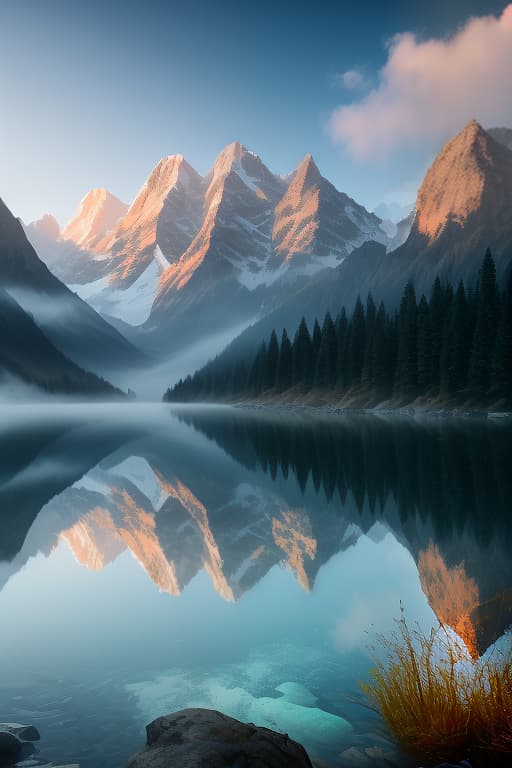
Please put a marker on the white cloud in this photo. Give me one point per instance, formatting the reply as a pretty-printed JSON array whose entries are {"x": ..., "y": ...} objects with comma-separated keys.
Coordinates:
[{"x": 428, "y": 90}]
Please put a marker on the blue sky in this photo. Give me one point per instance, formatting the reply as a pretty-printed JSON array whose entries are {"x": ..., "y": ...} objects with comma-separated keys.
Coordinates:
[{"x": 94, "y": 93}]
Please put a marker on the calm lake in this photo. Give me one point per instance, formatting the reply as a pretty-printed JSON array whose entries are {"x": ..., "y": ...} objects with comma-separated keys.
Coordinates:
[{"x": 154, "y": 558}]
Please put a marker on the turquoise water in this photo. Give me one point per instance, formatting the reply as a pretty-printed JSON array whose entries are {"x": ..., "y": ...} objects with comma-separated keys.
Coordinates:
[{"x": 153, "y": 559}]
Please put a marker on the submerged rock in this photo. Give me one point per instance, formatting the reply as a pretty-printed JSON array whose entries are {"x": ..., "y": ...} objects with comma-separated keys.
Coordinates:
[
  {"x": 205, "y": 738},
  {"x": 296, "y": 693},
  {"x": 16, "y": 742}
]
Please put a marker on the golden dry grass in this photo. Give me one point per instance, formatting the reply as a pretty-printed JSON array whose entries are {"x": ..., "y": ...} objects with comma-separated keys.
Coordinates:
[{"x": 439, "y": 704}]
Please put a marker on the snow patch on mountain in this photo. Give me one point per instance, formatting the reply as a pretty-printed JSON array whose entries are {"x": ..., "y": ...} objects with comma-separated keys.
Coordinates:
[
  {"x": 132, "y": 304},
  {"x": 260, "y": 276},
  {"x": 249, "y": 181},
  {"x": 160, "y": 258},
  {"x": 138, "y": 472}
]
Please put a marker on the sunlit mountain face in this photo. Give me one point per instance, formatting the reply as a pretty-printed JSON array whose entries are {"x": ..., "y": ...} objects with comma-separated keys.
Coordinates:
[{"x": 244, "y": 562}]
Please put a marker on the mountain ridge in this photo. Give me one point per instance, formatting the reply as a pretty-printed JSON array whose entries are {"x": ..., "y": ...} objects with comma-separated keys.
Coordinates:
[
  {"x": 236, "y": 241},
  {"x": 462, "y": 209},
  {"x": 98, "y": 213},
  {"x": 28, "y": 356},
  {"x": 258, "y": 243},
  {"x": 448, "y": 237},
  {"x": 71, "y": 325}
]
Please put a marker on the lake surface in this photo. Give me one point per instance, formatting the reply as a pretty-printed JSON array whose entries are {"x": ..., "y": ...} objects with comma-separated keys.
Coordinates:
[{"x": 154, "y": 558}]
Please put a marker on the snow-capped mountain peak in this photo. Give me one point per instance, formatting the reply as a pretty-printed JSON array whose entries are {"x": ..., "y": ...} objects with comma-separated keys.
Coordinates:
[
  {"x": 165, "y": 213},
  {"x": 235, "y": 160},
  {"x": 316, "y": 226},
  {"x": 46, "y": 227},
  {"x": 235, "y": 236},
  {"x": 184, "y": 238},
  {"x": 97, "y": 214}
]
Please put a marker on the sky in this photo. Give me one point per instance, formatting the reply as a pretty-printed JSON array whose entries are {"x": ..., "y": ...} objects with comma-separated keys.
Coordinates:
[{"x": 93, "y": 93}]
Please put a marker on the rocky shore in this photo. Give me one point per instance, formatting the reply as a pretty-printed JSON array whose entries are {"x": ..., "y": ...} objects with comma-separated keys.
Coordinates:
[
  {"x": 196, "y": 738},
  {"x": 205, "y": 738},
  {"x": 329, "y": 409},
  {"x": 17, "y": 747}
]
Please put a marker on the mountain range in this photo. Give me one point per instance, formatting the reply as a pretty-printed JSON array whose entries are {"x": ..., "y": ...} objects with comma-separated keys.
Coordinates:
[
  {"x": 463, "y": 207},
  {"x": 188, "y": 244},
  {"x": 195, "y": 260}
]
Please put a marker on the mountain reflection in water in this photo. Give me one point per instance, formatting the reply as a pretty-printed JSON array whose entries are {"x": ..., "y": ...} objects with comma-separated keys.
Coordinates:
[
  {"x": 228, "y": 495},
  {"x": 442, "y": 487}
]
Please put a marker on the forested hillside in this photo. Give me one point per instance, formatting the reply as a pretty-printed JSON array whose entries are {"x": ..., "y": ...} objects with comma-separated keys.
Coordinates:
[{"x": 454, "y": 347}]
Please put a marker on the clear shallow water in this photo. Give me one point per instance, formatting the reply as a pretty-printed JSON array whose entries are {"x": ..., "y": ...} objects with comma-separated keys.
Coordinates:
[{"x": 152, "y": 559}]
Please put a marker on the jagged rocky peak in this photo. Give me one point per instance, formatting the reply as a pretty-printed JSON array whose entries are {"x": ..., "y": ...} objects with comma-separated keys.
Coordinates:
[
  {"x": 243, "y": 167},
  {"x": 160, "y": 223},
  {"x": 234, "y": 237},
  {"x": 315, "y": 225},
  {"x": 168, "y": 172},
  {"x": 47, "y": 226},
  {"x": 463, "y": 207},
  {"x": 306, "y": 176},
  {"x": 98, "y": 213},
  {"x": 171, "y": 173},
  {"x": 456, "y": 183},
  {"x": 232, "y": 153}
]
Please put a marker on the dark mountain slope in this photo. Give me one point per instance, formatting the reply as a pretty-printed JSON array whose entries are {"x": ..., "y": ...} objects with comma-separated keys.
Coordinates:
[
  {"x": 71, "y": 324},
  {"x": 27, "y": 354}
]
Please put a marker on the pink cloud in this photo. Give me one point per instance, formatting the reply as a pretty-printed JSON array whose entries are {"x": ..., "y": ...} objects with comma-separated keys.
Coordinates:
[{"x": 429, "y": 89}]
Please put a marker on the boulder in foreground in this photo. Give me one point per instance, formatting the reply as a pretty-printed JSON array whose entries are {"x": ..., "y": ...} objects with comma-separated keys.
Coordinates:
[{"x": 205, "y": 738}]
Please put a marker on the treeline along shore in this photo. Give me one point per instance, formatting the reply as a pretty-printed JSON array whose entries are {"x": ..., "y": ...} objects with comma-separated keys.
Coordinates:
[{"x": 454, "y": 348}]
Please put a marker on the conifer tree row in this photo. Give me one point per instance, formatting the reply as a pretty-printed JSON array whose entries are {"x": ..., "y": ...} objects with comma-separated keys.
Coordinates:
[{"x": 454, "y": 345}]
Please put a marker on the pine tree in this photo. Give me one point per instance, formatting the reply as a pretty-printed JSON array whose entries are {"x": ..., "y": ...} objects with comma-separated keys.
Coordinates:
[
  {"x": 284, "y": 365},
  {"x": 333, "y": 349},
  {"x": 257, "y": 371},
  {"x": 452, "y": 342},
  {"x": 436, "y": 333},
  {"x": 424, "y": 347},
  {"x": 302, "y": 352},
  {"x": 239, "y": 376},
  {"x": 341, "y": 346},
  {"x": 456, "y": 345},
  {"x": 407, "y": 371},
  {"x": 356, "y": 344},
  {"x": 381, "y": 363},
  {"x": 488, "y": 313},
  {"x": 502, "y": 352},
  {"x": 316, "y": 340},
  {"x": 369, "y": 354},
  {"x": 271, "y": 362},
  {"x": 325, "y": 375}
]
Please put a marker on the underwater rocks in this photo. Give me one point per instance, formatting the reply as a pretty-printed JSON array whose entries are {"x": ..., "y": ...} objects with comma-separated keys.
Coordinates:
[
  {"x": 205, "y": 738},
  {"x": 16, "y": 742}
]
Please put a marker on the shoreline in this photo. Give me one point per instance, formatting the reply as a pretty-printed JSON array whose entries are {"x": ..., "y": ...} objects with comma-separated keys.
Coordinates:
[{"x": 332, "y": 409}]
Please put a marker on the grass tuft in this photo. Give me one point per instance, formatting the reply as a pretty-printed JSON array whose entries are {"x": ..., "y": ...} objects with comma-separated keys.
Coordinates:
[{"x": 441, "y": 705}]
